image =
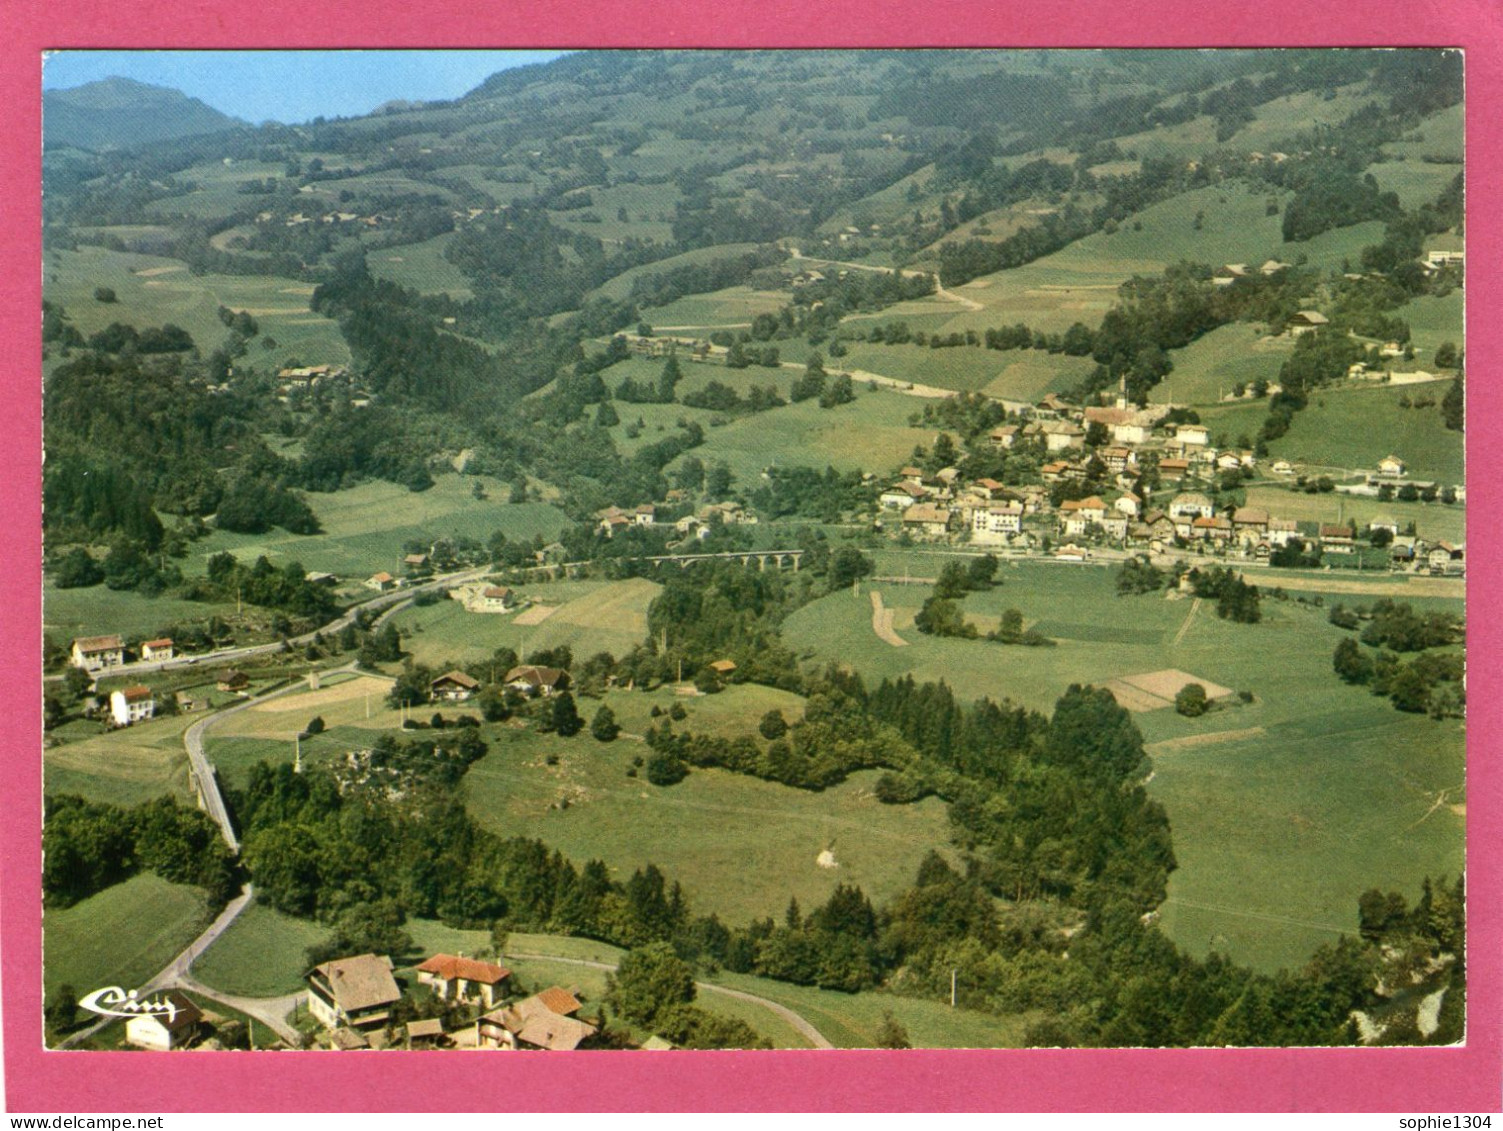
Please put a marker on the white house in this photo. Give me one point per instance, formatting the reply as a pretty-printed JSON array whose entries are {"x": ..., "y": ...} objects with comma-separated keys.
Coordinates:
[
  {"x": 131, "y": 705},
  {"x": 1192, "y": 434},
  {"x": 157, "y": 649},
  {"x": 381, "y": 582},
  {"x": 94, "y": 653},
  {"x": 1391, "y": 466},
  {"x": 453, "y": 687},
  {"x": 997, "y": 522},
  {"x": 497, "y": 599},
  {"x": 1191, "y": 504},
  {"x": 165, "y": 1031}
]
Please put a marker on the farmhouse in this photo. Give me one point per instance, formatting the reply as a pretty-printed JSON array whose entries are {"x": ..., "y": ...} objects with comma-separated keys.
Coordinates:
[
  {"x": 460, "y": 979},
  {"x": 381, "y": 582},
  {"x": 1192, "y": 435},
  {"x": 94, "y": 653},
  {"x": 1391, "y": 466},
  {"x": 162, "y": 1032},
  {"x": 157, "y": 649},
  {"x": 453, "y": 687},
  {"x": 1061, "y": 434},
  {"x": 1337, "y": 538},
  {"x": 1174, "y": 468},
  {"x": 903, "y": 494},
  {"x": 233, "y": 681},
  {"x": 645, "y": 515},
  {"x": 926, "y": 519},
  {"x": 1003, "y": 437},
  {"x": 543, "y": 1021},
  {"x": 496, "y": 599},
  {"x": 131, "y": 705},
  {"x": 533, "y": 680},
  {"x": 358, "y": 992},
  {"x": 723, "y": 667},
  {"x": 1306, "y": 320}
]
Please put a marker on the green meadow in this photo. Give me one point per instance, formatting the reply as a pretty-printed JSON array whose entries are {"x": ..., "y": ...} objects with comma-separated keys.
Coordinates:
[
  {"x": 121, "y": 936},
  {"x": 1302, "y": 719},
  {"x": 1356, "y": 427},
  {"x": 1211, "y": 366},
  {"x": 422, "y": 267},
  {"x": 740, "y": 846},
  {"x": 588, "y": 617},
  {"x": 152, "y": 291},
  {"x": 123, "y": 767}
]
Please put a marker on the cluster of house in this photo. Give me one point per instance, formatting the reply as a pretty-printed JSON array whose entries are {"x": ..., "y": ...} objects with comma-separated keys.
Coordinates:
[
  {"x": 697, "y": 525},
  {"x": 353, "y": 998},
  {"x": 532, "y": 680}
]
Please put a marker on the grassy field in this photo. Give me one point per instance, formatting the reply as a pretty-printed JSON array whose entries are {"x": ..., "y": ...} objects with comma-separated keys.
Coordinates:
[
  {"x": 1355, "y": 428},
  {"x": 731, "y": 308},
  {"x": 1442, "y": 134},
  {"x": 422, "y": 267},
  {"x": 1417, "y": 182},
  {"x": 870, "y": 434},
  {"x": 714, "y": 831},
  {"x": 590, "y": 617},
  {"x": 364, "y": 527},
  {"x": 620, "y": 286},
  {"x": 1280, "y": 119},
  {"x": 1284, "y": 662},
  {"x": 1431, "y": 520},
  {"x": 123, "y": 767},
  {"x": 1210, "y": 366},
  {"x": 67, "y": 613},
  {"x": 152, "y": 291},
  {"x": 1433, "y": 320},
  {"x": 1016, "y": 374},
  {"x": 121, "y": 936},
  {"x": 262, "y": 954}
]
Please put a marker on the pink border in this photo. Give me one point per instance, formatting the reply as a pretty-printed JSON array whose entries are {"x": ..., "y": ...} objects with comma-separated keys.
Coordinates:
[{"x": 1438, "y": 1080}]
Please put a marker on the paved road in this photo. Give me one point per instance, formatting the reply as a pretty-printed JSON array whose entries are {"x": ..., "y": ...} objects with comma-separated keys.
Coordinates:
[{"x": 814, "y": 1035}]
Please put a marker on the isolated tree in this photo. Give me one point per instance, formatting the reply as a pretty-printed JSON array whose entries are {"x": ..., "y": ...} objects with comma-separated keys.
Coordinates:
[
  {"x": 604, "y": 726},
  {"x": 982, "y": 572},
  {"x": 565, "y": 715},
  {"x": 1191, "y": 701},
  {"x": 891, "y": 1034}
]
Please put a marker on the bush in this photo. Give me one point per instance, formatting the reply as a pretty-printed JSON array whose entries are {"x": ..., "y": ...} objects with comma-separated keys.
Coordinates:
[
  {"x": 105, "y": 294},
  {"x": 1191, "y": 701},
  {"x": 665, "y": 769}
]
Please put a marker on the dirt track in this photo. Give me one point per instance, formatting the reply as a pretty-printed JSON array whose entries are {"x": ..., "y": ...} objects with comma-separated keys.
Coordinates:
[{"x": 882, "y": 623}]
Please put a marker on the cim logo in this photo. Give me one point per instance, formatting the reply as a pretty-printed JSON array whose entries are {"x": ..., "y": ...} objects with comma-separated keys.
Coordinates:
[{"x": 112, "y": 1001}]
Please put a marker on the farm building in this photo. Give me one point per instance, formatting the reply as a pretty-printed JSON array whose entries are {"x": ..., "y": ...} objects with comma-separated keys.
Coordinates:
[
  {"x": 543, "y": 1021},
  {"x": 496, "y": 599},
  {"x": 381, "y": 582},
  {"x": 94, "y": 653},
  {"x": 358, "y": 992},
  {"x": 453, "y": 687},
  {"x": 533, "y": 680},
  {"x": 1306, "y": 320},
  {"x": 233, "y": 681}
]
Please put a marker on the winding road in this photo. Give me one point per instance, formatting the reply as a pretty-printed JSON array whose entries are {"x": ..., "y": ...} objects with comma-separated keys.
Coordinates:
[{"x": 813, "y": 1035}]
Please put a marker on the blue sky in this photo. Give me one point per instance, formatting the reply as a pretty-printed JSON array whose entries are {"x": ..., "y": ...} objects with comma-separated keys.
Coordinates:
[{"x": 291, "y": 86}]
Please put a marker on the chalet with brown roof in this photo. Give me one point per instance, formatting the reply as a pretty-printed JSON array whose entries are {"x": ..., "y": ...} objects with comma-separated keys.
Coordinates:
[
  {"x": 1250, "y": 525},
  {"x": 1304, "y": 321},
  {"x": 157, "y": 649},
  {"x": 723, "y": 667},
  {"x": 453, "y": 687},
  {"x": 1174, "y": 468},
  {"x": 233, "y": 681},
  {"x": 1060, "y": 435},
  {"x": 1216, "y": 528},
  {"x": 990, "y": 487},
  {"x": 645, "y": 515},
  {"x": 459, "y": 979},
  {"x": 425, "y": 1034},
  {"x": 927, "y": 520},
  {"x": 1336, "y": 537},
  {"x": 162, "y": 1032},
  {"x": 1191, "y": 504},
  {"x": 543, "y": 1021},
  {"x": 1004, "y": 436},
  {"x": 533, "y": 680},
  {"x": 95, "y": 653},
  {"x": 903, "y": 494},
  {"x": 358, "y": 992}
]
